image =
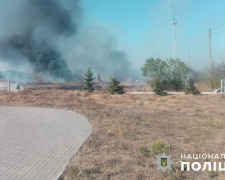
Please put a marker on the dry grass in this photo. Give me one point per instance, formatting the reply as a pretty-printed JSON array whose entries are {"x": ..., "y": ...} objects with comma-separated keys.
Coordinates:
[
  {"x": 129, "y": 130},
  {"x": 139, "y": 89},
  {"x": 204, "y": 87}
]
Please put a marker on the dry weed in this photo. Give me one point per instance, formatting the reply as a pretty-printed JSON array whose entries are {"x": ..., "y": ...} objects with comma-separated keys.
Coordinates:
[{"x": 129, "y": 130}]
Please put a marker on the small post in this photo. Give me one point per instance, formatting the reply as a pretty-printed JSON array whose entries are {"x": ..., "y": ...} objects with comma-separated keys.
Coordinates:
[
  {"x": 222, "y": 86},
  {"x": 210, "y": 55},
  {"x": 8, "y": 85}
]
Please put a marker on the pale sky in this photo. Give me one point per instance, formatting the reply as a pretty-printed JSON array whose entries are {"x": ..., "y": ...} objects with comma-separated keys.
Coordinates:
[{"x": 142, "y": 28}]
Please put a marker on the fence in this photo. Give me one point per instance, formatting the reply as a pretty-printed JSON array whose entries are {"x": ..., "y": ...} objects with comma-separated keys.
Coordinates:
[
  {"x": 222, "y": 85},
  {"x": 4, "y": 85}
]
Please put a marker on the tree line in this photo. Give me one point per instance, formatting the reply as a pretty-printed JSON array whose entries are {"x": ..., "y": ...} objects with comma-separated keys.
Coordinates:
[
  {"x": 161, "y": 75},
  {"x": 167, "y": 75}
]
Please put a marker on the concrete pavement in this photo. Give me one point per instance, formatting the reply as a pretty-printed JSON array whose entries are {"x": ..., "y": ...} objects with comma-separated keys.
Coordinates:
[{"x": 37, "y": 143}]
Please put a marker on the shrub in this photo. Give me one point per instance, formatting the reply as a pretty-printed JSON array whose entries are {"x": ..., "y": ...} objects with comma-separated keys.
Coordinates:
[
  {"x": 159, "y": 147},
  {"x": 158, "y": 89},
  {"x": 115, "y": 88},
  {"x": 190, "y": 88},
  {"x": 145, "y": 151}
]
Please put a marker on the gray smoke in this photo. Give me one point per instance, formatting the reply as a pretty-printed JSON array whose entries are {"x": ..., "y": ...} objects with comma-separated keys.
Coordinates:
[
  {"x": 39, "y": 32},
  {"x": 95, "y": 49},
  {"x": 39, "y": 24}
]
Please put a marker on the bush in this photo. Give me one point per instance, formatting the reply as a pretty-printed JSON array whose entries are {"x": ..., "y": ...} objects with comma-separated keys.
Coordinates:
[
  {"x": 115, "y": 88},
  {"x": 190, "y": 88},
  {"x": 145, "y": 151},
  {"x": 158, "y": 88}
]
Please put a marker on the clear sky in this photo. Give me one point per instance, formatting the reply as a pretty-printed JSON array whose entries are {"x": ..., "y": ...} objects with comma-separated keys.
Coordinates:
[{"x": 142, "y": 27}]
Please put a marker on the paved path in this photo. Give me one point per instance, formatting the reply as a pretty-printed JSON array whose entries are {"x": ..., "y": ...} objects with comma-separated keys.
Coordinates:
[{"x": 37, "y": 143}]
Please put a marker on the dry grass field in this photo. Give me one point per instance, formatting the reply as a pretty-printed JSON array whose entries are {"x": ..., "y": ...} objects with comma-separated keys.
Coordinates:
[{"x": 130, "y": 130}]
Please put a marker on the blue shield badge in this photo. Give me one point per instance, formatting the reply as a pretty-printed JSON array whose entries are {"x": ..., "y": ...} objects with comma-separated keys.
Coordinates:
[{"x": 164, "y": 162}]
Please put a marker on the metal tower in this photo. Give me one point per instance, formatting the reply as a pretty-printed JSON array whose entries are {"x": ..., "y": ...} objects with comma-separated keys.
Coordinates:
[{"x": 174, "y": 23}]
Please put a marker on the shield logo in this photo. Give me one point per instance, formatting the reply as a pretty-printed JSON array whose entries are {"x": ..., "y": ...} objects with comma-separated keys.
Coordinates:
[{"x": 164, "y": 162}]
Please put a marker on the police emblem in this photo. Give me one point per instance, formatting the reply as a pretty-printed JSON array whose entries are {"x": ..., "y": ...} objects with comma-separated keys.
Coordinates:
[{"x": 164, "y": 162}]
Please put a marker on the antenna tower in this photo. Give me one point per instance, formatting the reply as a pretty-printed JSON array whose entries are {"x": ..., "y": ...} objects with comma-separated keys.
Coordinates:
[{"x": 174, "y": 23}]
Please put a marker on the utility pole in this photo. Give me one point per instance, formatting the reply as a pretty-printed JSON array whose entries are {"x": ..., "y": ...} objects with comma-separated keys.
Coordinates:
[
  {"x": 210, "y": 54},
  {"x": 189, "y": 56},
  {"x": 210, "y": 48},
  {"x": 188, "y": 63}
]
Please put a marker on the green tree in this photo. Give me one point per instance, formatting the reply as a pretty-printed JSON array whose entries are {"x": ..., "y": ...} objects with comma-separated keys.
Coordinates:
[
  {"x": 190, "y": 88},
  {"x": 154, "y": 70},
  {"x": 89, "y": 80},
  {"x": 115, "y": 88},
  {"x": 171, "y": 73},
  {"x": 178, "y": 73}
]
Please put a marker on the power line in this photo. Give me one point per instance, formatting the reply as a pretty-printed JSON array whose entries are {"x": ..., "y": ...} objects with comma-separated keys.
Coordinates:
[{"x": 218, "y": 26}]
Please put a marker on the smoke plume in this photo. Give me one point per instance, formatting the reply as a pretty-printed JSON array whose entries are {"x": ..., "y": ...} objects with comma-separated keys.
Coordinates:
[
  {"x": 32, "y": 38},
  {"x": 39, "y": 32}
]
